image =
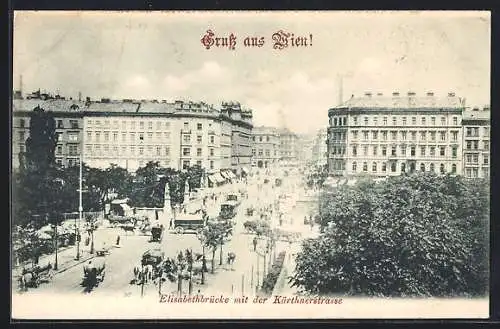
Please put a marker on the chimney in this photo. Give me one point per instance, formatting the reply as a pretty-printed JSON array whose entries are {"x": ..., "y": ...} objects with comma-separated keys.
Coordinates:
[
  {"x": 341, "y": 90},
  {"x": 430, "y": 94},
  {"x": 368, "y": 94},
  {"x": 79, "y": 96},
  {"x": 395, "y": 94},
  {"x": 411, "y": 93},
  {"x": 451, "y": 94}
]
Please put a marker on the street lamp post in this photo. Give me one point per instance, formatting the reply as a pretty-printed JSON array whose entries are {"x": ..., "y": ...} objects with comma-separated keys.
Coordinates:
[{"x": 80, "y": 211}]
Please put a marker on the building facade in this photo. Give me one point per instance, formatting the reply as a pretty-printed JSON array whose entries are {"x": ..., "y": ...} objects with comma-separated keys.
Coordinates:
[
  {"x": 131, "y": 133},
  {"x": 386, "y": 136},
  {"x": 266, "y": 147},
  {"x": 319, "y": 148},
  {"x": 476, "y": 143},
  {"x": 68, "y": 116},
  {"x": 289, "y": 147}
]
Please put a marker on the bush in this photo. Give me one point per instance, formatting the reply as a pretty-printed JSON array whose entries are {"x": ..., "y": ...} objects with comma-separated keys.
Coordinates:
[
  {"x": 418, "y": 235},
  {"x": 272, "y": 276}
]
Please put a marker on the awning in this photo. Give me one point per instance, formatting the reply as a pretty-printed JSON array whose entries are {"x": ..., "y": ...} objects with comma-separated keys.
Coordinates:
[
  {"x": 218, "y": 178},
  {"x": 231, "y": 174},
  {"x": 245, "y": 169},
  {"x": 211, "y": 179},
  {"x": 225, "y": 174}
]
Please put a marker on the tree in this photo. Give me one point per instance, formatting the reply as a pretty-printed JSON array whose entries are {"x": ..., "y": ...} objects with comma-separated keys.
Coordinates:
[
  {"x": 317, "y": 176},
  {"x": 408, "y": 236},
  {"x": 195, "y": 174},
  {"x": 214, "y": 235}
]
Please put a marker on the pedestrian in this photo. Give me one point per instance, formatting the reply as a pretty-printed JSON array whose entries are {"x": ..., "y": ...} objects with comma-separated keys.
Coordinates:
[
  {"x": 118, "y": 240},
  {"x": 170, "y": 226},
  {"x": 254, "y": 244}
]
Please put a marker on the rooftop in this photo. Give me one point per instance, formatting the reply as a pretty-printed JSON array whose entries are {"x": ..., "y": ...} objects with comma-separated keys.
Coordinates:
[
  {"x": 476, "y": 115},
  {"x": 409, "y": 100}
]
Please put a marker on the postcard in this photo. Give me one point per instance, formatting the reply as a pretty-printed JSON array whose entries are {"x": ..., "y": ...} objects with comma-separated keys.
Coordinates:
[{"x": 250, "y": 165}]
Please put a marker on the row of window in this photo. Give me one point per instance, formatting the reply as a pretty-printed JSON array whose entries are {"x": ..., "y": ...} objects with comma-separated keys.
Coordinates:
[
  {"x": 72, "y": 149},
  {"x": 403, "y": 150},
  {"x": 186, "y": 151},
  {"x": 267, "y": 152},
  {"x": 474, "y": 159},
  {"x": 98, "y": 150},
  {"x": 73, "y": 124},
  {"x": 392, "y": 167},
  {"x": 261, "y": 138},
  {"x": 474, "y": 172},
  {"x": 71, "y": 137},
  {"x": 395, "y": 120},
  {"x": 474, "y": 131},
  {"x": 160, "y": 125},
  {"x": 403, "y": 135},
  {"x": 474, "y": 145},
  {"x": 186, "y": 138}
]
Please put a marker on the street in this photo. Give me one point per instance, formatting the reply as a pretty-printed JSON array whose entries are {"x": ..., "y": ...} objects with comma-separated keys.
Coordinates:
[{"x": 240, "y": 278}]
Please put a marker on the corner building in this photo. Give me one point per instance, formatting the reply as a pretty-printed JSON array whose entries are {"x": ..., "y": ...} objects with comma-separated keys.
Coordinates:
[
  {"x": 476, "y": 145},
  {"x": 386, "y": 136}
]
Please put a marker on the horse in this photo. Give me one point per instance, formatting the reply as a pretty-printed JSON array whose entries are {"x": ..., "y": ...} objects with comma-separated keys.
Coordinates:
[
  {"x": 128, "y": 228},
  {"x": 148, "y": 272},
  {"x": 28, "y": 279},
  {"x": 138, "y": 273},
  {"x": 231, "y": 257}
]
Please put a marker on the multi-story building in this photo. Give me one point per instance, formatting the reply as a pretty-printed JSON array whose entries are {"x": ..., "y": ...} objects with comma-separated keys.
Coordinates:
[
  {"x": 68, "y": 114},
  {"x": 476, "y": 142},
  {"x": 266, "y": 147},
  {"x": 319, "y": 148},
  {"x": 289, "y": 147},
  {"x": 384, "y": 136},
  {"x": 241, "y": 133},
  {"x": 131, "y": 133}
]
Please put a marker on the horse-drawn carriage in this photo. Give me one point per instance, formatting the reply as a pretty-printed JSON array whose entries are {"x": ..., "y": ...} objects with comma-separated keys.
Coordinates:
[
  {"x": 93, "y": 272},
  {"x": 228, "y": 209},
  {"x": 32, "y": 277},
  {"x": 157, "y": 233},
  {"x": 189, "y": 222}
]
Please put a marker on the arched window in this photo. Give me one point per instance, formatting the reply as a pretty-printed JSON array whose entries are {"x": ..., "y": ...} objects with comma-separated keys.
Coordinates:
[
  {"x": 393, "y": 167},
  {"x": 454, "y": 168},
  {"x": 422, "y": 167},
  {"x": 384, "y": 166},
  {"x": 431, "y": 167},
  {"x": 403, "y": 167},
  {"x": 354, "y": 166},
  {"x": 365, "y": 166},
  {"x": 441, "y": 168},
  {"x": 374, "y": 167},
  {"x": 334, "y": 121}
]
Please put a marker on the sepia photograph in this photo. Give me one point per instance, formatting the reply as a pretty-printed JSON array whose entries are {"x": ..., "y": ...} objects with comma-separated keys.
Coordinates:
[{"x": 250, "y": 165}]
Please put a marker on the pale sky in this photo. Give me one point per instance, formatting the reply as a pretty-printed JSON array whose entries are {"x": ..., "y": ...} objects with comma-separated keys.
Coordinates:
[{"x": 160, "y": 56}]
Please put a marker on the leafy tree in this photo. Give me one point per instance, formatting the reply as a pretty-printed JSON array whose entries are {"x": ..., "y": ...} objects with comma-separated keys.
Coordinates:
[
  {"x": 317, "y": 176},
  {"x": 194, "y": 174},
  {"x": 417, "y": 235},
  {"x": 214, "y": 235}
]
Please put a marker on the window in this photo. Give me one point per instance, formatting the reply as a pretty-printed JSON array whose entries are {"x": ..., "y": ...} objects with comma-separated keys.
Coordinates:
[
  {"x": 422, "y": 136},
  {"x": 475, "y": 145},
  {"x": 167, "y": 151},
  {"x": 432, "y": 151},
  {"x": 60, "y": 124},
  {"x": 132, "y": 137},
  {"x": 384, "y": 135},
  {"x": 355, "y": 134},
  {"x": 365, "y": 166},
  {"x": 422, "y": 150},
  {"x": 124, "y": 150},
  {"x": 73, "y": 137},
  {"x": 375, "y": 121},
  {"x": 97, "y": 136},
  {"x": 185, "y": 164},
  {"x": 393, "y": 151},
  {"x": 354, "y": 166},
  {"x": 441, "y": 168},
  {"x": 365, "y": 135},
  {"x": 365, "y": 150},
  {"x": 21, "y": 136},
  {"x": 403, "y": 167},
  {"x": 267, "y": 138},
  {"x": 158, "y": 136},
  {"x": 412, "y": 151},
  {"x": 375, "y": 135},
  {"x": 186, "y": 125},
  {"x": 106, "y": 123},
  {"x": 141, "y": 125},
  {"x": 186, "y": 138},
  {"x": 394, "y": 121},
  {"x": 413, "y": 121},
  {"x": 261, "y": 152},
  {"x": 150, "y": 125},
  {"x": 422, "y": 167},
  {"x": 106, "y": 136},
  {"x": 72, "y": 149},
  {"x": 404, "y": 121},
  {"x": 22, "y": 123},
  {"x": 385, "y": 121},
  {"x": 455, "y": 121},
  {"x": 260, "y": 138},
  {"x": 384, "y": 150},
  {"x": 141, "y": 136},
  {"x": 394, "y": 135},
  {"x": 141, "y": 150},
  {"x": 115, "y": 136},
  {"x": 423, "y": 121},
  {"x": 354, "y": 150},
  {"x": 199, "y": 126},
  {"x": 88, "y": 149},
  {"x": 212, "y": 139},
  {"x": 486, "y": 145},
  {"x": 199, "y": 139},
  {"x": 475, "y": 132},
  {"x": 442, "y": 151},
  {"x": 442, "y": 135},
  {"x": 211, "y": 164},
  {"x": 115, "y": 150},
  {"x": 59, "y": 150},
  {"x": 443, "y": 121},
  {"x": 433, "y": 121},
  {"x": 132, "y": 150},
  {"x": 355, "y": 121},
  {"x": 212, "y": 152},
  {"x": 486, "y": 131},
  {"x": 59, "y": 162},
  {"x": 334, "y": 121},
  {"x": 433, "y": 135},
  {"x": 475, "y": 158},
  {"x": 366, "y": 121},
  {"x": 403, "y": 135},
  {"x": 375, "y": 150},
  {"x": 454, "y": 152},
  {"x": 344, "y": 120},
  {"x": 486, "y": 159},
  {"x": 431, "y": 167},
  {"x": 158, "y": 125},
  {"x": 403, "y": 150},
  {"x": 198, "y": 152},
  {"x": 186, "y": 151},
  {"x": 468, "y": 158},
  {"x": 393, "y": 167},
  {"x": 124, "y": 137},
  {"x": 454, "y": 136},
  {"x": 474, "y": 172},
  {"x": 413, "y": 135},
  {"x": 150, "y": 136},
  {"x": 198, "y": 163},
  {"x": 384, "y": 166},
  {"x": 453, "y": 168},
  {"x": 268, "y": 153},
  {"x": 374, "y": 167}
]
